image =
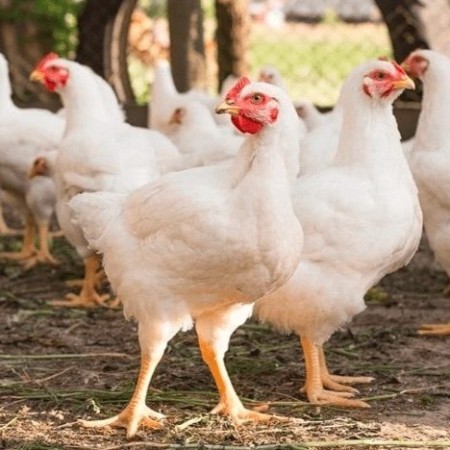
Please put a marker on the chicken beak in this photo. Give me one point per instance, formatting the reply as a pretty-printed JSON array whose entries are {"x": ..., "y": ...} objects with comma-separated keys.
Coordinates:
[
  {"x": 36, "y": 75},
  {"x": 404, "y": 83},
  {"x": 229, "y": 108}
]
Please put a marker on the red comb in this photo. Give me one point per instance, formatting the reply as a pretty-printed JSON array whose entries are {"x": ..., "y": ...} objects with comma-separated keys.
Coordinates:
[
  {"x": 50, "y": 57},
  {"x": 399, "y": 69},
  {"x": 239, "y": 85}
]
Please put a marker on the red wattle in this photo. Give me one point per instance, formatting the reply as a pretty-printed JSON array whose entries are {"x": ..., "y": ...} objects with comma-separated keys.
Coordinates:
[{"x": 246, "y": 125}]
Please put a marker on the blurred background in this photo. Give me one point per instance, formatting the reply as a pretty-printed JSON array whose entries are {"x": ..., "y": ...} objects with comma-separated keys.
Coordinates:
[{"x": 313, "y": 43}]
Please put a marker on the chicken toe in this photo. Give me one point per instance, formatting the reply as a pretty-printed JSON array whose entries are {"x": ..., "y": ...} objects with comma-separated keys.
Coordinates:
[
  {"x": 131, "y": 418},
  {"x": 338, "y": 382},
  {"x": 324, "y": 397},
  {"x": 435, "y": 329},
  {"x": 83, "y": 300},
  {"x": 317, "y": 377},
  {"x": 239, "y": 414}
]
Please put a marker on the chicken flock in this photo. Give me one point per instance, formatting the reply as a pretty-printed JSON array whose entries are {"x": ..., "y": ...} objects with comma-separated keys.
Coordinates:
[{"x": 224, "y": 208}]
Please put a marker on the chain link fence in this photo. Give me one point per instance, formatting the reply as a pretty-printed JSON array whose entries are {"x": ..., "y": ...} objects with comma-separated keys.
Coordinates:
[{"x": 312, "y": 43}]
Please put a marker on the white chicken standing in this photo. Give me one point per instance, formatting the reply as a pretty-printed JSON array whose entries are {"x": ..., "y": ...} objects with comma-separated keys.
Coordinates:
[
  {"x": 24, "y": 134},
  {"x": 361, "y": 220},
  {"x": 99, "y": 152},
  {"x": 430, "y": 157},
  {"x": 202, "y": 245}
]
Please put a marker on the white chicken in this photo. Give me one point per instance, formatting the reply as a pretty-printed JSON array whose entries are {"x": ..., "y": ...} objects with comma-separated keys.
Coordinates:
[
  {"x": 361, "y": 220},
  {"x": 270, "y": 74},
  {"x": 311, "y": 116},
  {"x": 99, "y": 152},
  {"x": 430, "y": 157},
  {"x": 165, "y": 98},
  {"x": 24, "y": 134},
  {"x": 202, "y": 245},
  {"x": 194, "y": 132},
  {"x": 320, "y": 145}
]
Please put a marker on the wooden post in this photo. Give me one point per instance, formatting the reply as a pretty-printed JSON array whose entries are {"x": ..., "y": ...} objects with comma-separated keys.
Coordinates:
[
  {"x": 92, "y": 26},
  {"x": 232, "y": 35},
  {"x": 187, "y": 48}
]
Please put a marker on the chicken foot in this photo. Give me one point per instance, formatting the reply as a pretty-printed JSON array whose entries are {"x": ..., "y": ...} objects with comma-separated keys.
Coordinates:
[
  {"x": 42, "y": 255},
  {"x": 229, "y": 403},
  {"x": 314, "y": 385},
  {"x": 435, "y": 329},
  {"x": 88, "y": 297},
  {"x": 28, "y": 248},
  {"x": 338, "y": 382},
  {"x": 136, "y": 413},
  {"x": 153, "y": 339}
]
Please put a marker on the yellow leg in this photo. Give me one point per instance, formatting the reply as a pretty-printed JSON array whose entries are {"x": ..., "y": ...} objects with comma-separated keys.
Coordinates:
[
  {"x": 337, "y": 382},
  {"x": 28, "y": 248},
  {"x": 4, "y": 229},
  {"x": 314, "y": 387},
  {"x": 42, "y": 255},
  {"x": 88, "y": 297},
  {"x": 229, "y": 403},
  {"x": 435, "y": 329},
  {"x": 99, "y": 278},
  {"x": 136, "y": 413}
]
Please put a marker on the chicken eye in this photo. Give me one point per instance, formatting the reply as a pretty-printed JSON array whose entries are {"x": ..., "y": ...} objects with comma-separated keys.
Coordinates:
[
  {"x": 257, "y": 98},
  {"x": 380, "y": 75}
]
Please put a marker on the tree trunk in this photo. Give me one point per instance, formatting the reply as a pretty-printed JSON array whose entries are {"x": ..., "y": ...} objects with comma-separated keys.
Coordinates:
[
  {"x": 24, "y": 42},
  {"x": 232, "y": 35},
  {"x": 187, "y": 48}
]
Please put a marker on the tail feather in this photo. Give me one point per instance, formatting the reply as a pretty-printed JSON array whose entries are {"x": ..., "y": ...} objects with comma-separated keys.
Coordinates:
[{"x": 95, "y": 212}]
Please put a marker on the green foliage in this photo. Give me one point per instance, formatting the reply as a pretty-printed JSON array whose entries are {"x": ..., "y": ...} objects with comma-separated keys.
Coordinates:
[{"x": 55, "y": 18}]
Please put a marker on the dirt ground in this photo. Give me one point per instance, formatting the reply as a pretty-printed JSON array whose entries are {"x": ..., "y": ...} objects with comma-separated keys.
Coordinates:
[{"x": 59, "y": 365}]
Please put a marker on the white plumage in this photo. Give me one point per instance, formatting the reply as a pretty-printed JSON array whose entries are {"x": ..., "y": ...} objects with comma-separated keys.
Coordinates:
[
  {"x": 165, "y": 98},
  {"x": 430, "y": 157},
  {"x": 361, "y": 219},
  {"x": 202, "y": 245},
  {"x": 24, "y": 134},
  {"x": 99, "y": 152},
  {"x": 195, "y": 133}
]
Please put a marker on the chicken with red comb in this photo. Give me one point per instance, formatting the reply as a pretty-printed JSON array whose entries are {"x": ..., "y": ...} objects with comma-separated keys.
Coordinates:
[
  {"x": 430, "y": 158},
  {"x": 99, "y": 152},
  {"x": 202, "y": 245},
  {"x": 361, "y": 219}
]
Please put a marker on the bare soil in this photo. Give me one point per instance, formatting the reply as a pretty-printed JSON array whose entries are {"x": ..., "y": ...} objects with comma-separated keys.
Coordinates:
[{"x": 58, "y": 365}]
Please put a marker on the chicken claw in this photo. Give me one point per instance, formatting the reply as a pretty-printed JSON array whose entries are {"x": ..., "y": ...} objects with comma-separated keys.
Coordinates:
[
  {"x": 131, "y": 418},
  {"x": 240, "y": 415},
  {"x": 39, "y": 257},
  {"x": 435, "y": 329},
  {"x": 338, "y": 382},
  {"x": 318, "y": 377},
  {"x": 82, "y": 300},
  {"x": 321, "y": 396}
]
